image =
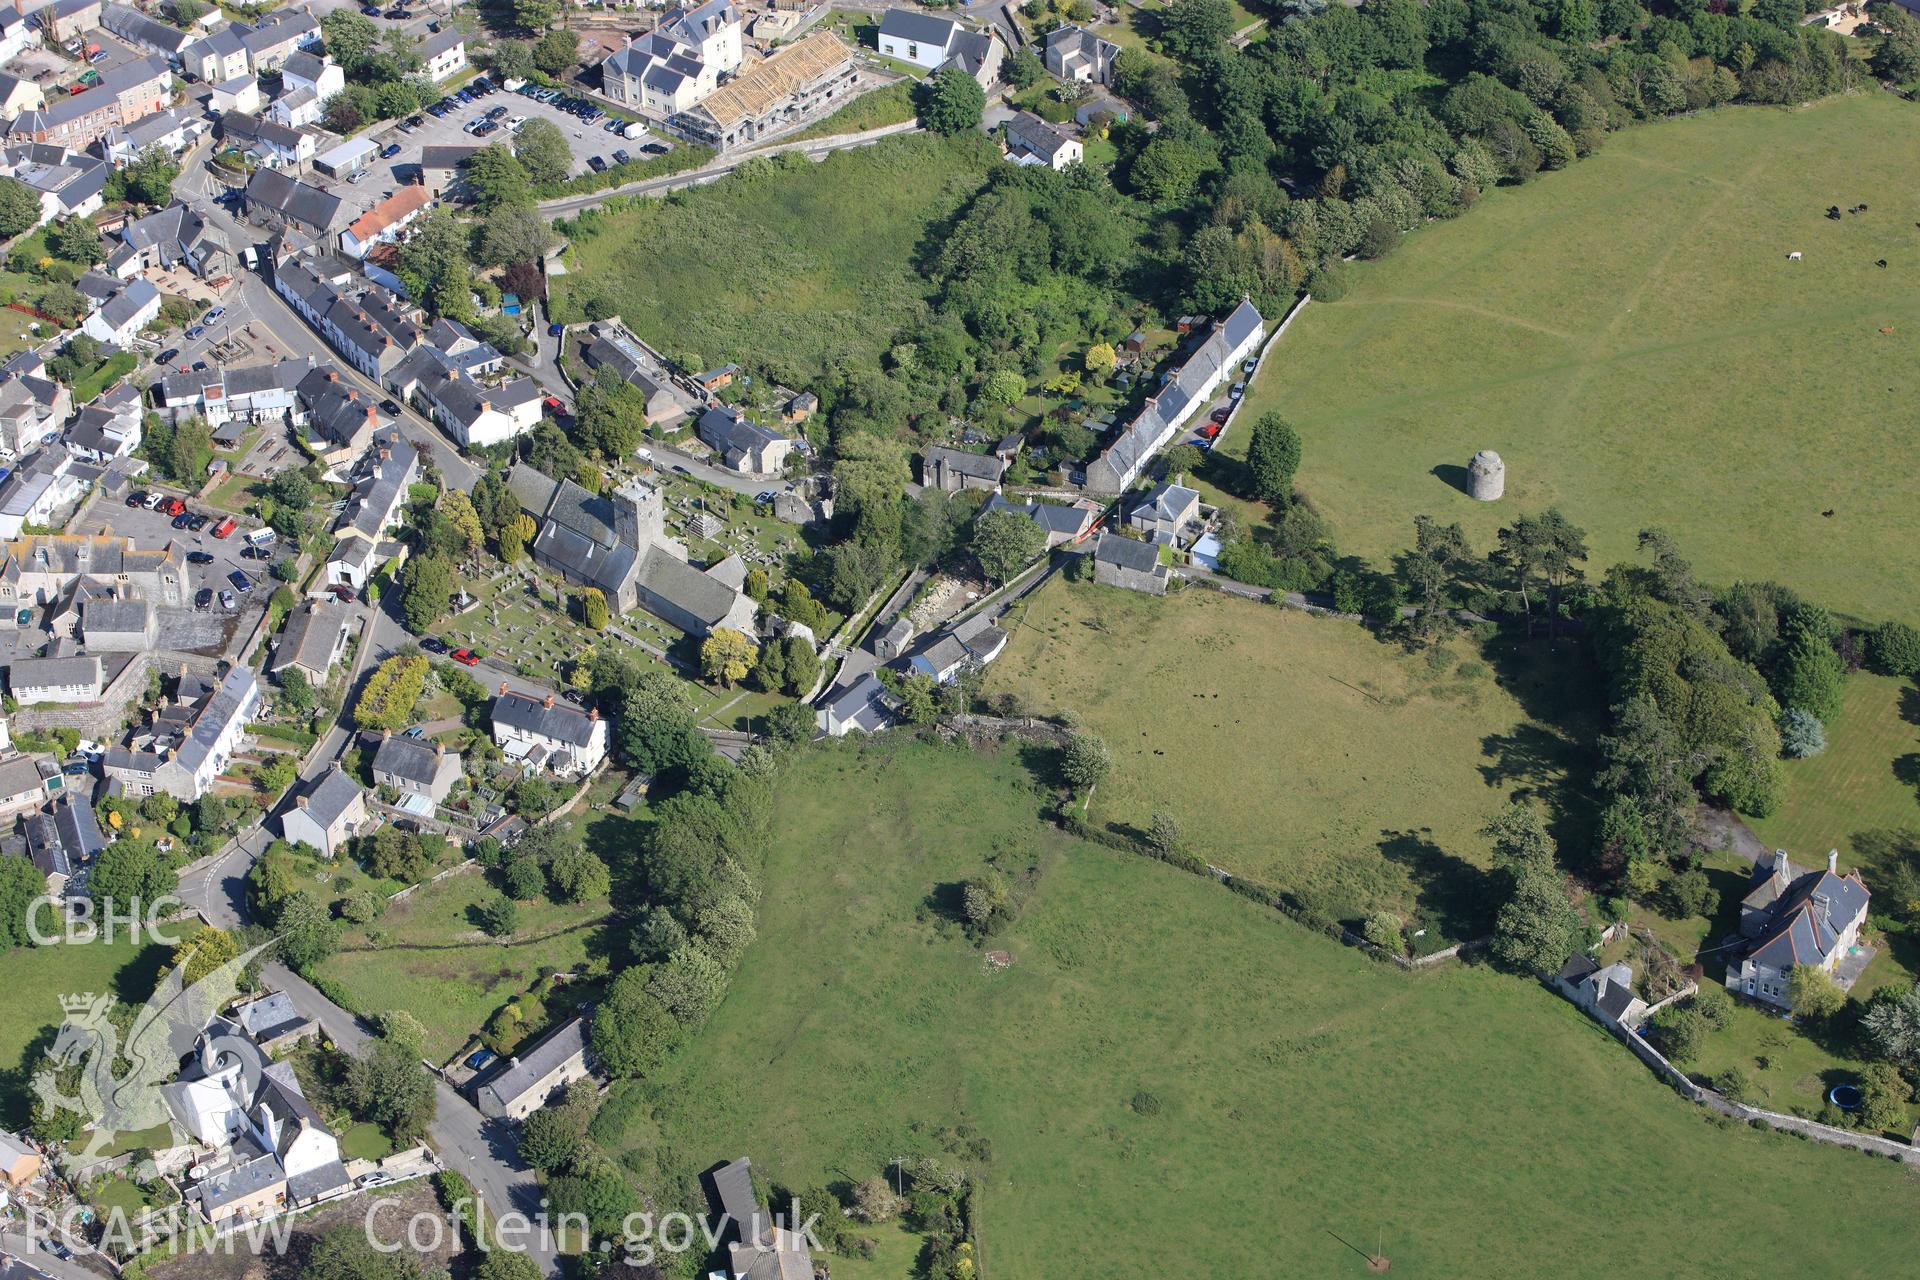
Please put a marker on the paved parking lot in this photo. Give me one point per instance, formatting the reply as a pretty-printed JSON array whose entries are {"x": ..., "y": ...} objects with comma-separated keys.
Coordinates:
[
  {"x": 586, "y": 139},
  {"x": 152, "y": 529}
]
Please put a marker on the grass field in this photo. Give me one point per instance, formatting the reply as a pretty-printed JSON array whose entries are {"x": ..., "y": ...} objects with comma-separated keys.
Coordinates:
[
  {"x": 892, "y": 104},
  {"x": 1467, "y": 1122},
  {"x": 1629, "y": 336},
  {"x": 435, "y": 962},
  {"x": 32, "y": 980},
  {"x": 802, "y": 267},
  {"x": 1296, "y": 750},
  {"x": 1864, "y": 781}
]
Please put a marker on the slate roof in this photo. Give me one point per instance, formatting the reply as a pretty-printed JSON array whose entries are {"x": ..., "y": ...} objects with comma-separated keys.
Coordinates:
[
  {"x": 439, "y": 43},
  {"x": 536, "y": 1064},
  {"x": 865, "y": 704},
  {"x": 212, "y": 720},
  {"x": 732, "y": 434},
  {"x": 1167, "y": 501},
  {"x": 330, "y": 796},
  {"x": 46, "y": 673},
  {"x": 132, "y": 25},
  {"x": 1806, "y": 921},
  {"x": 312, "y": 631},
  {"x": 292, "y": 199},
  {"x": 114, "y": 617},
  {"x": 270, "y": 1016},
  {"x": 304, "y": 66},
  {"x": 920, "y": 28},
  {"x": 1178, "y": 396},
  {"x": 980, "y": 465},
  {"x": 705, "y": 598},
  {"x": 1128, "y": 553},
  {"x": 560, "y": 722},
  {"x": 408, "y": 758}
]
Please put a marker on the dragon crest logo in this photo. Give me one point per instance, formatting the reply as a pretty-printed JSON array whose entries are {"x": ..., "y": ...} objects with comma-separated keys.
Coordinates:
[{"x": 111, "y": 1068}]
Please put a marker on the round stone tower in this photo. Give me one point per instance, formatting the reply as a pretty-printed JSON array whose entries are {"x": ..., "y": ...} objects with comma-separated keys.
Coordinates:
[{"x": 1486, "y": 476}]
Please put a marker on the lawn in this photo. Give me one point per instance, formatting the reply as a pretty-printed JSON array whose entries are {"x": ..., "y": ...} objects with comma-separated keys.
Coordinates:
[
  {"x": 732, "y": 275},
  {"x": 428, "y": 956},
  {"x": 1296, "y": 750},
  {"x": 1863, "y": 782},
  {"x": 1629, "y": 335},
  {"x": 32, "y": 980},
  {"x": 1165, "y": 1063}
]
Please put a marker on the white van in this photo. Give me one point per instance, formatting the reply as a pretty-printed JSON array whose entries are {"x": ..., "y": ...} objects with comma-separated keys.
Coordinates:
[{"x": 262, "y": 537}]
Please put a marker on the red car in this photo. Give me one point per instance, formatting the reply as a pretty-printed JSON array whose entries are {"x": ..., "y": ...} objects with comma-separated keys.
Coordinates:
[
  {"x": 225, "y": 527},
  {"x": 342, "y": 593},
  {"x": 175, "y": 506},
  {"x": 465, "y": 657},
  {"x": 1209, "y": 430}
]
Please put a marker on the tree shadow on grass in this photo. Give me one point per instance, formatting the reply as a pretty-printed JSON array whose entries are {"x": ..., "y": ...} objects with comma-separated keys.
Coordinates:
[
  {"x": 1531, "y": 756},
  {"x": 1906, "y": 769},
  {"x": 1910, "y": 704},
  {"x": 1449, "y": 890}
]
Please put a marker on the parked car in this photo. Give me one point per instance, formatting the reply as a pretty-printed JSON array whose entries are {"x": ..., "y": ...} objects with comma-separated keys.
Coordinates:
[
  {"x": 655, "y": 148},
  {"x": 168, "y": 356},
  {"x": 225, "y": 527},
  {"x": 203, "y": 598},
  {"x": 229, "y": 601},
  {"x": 433, "y": 644},
  {"x": 138, "y": 498},
  {"x": 195, "y": 332},
  {"x": 199, "y": 557},
  {"x": 555, "y": 330},
  {"x": 553, "y": 404},
  {"x": 354, "y": 179},
  {"x": 175, "y": 506},
  {"x": 516, "y": 123},
  {"x": 181, "y": 521},
  {"x": 197, "y": 521},
  {"x": 621, "y": 157},
  {"x": 485, "y": 127},
  {"x": 1239, "y": 389},
  {"x": 377, "y": 1178},
  {"x": 391, "y": 407},
  {"x": 596, "y": 164},
  {"x": 1221, "y": 414},
  {"x": 370, "y": 10},
  {"x": 398, "y": 15},
  {"x": 155, "y": 501},
  {"x": 415, "y": 731},
  {"x": 256, "y": 553},
  {"x": 241, "y": 582},
  {"x": 1209, "y": 430},
  {"x": 213, "y": 317},
  {"x": 466, "y": 657},
  {"x": 389, "y": 151},
  {"x": 343, "y": 593}
]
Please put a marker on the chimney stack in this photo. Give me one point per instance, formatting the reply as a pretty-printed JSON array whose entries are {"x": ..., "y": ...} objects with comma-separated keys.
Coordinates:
[
  {"x": 593, "y": 713},
  {"x": 300, "y": 802},
  {"x": 548, "y": 701},
  {"x": 1833, "y": 861},
  {"x": 503, "y": 688},
  {"x": 1780, "y": 862}
]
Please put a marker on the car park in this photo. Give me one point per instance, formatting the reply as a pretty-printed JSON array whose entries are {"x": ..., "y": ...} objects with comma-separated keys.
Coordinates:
[
  {"x": 389, "y": 151},
  {"x": 241, "y": 582},
  {"x": 203, "y": 598},
  {"x": 199, "y": 557},
  {"x": 229, "y": 601}
]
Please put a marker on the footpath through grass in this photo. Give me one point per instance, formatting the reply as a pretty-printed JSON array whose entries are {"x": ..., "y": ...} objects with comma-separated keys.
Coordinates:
[
  {"x": 796, "y": 264},
  {"x": 1300, "y": 751},
  {"x": 1631, "y": 338},
  {"x": 1165, "y": 1063}
]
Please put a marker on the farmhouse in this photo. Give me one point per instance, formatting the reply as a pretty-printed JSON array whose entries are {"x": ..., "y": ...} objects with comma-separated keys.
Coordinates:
[
  {"x": 326, "y": 814},
  {"x": 1169, "y": 514},
  {"x": 775, "y": 94},
  {"x": 1063, "y": 525},
  {"x": 313, "y": 642},
  {"x": 955, "y": 469},
  {"x": 417, "y": 767},
  {"x": 864, "y": 706},
  {"x": 932, "y": 42},
  {"x": 1129, "y": 563},
  {"x": 548, "y": 734},
  {"x": 762, "y": 1250},
  {"x": 1031, "y": 140},
  {"x": 1185, "y": 390},
  {"x": 1792, "y": 916},
  {"x": 528, "y": 1081},
  {"x": 1074, "y": 53},
  {"x": 740, "y": 444}
]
